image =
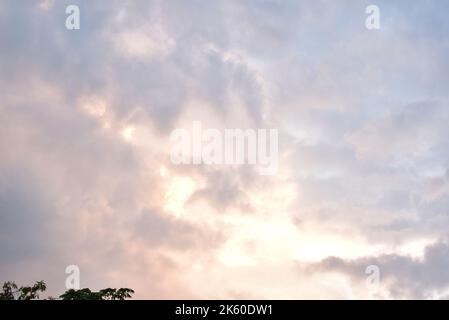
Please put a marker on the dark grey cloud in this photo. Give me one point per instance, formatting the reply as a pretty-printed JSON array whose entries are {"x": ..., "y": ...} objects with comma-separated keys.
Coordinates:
[
  {"x": 404, "y": 277},
  {"x": 157, "y": 229},
  {"x": 226, "y": 189},
  {"x": 25, "y": 217}
]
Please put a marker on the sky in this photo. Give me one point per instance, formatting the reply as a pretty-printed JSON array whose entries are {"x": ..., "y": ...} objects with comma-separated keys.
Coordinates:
[{"x": 362, "y": 115}]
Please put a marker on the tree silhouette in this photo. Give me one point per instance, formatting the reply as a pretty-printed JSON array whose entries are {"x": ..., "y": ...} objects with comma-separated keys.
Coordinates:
[
  {"x": 10, "y": 291},
  {"x": 105, "y": 294}
]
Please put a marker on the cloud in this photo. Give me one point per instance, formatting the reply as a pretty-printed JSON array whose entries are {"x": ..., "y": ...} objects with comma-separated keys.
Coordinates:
[
  {"x": 26, "y": 216},
  {"x": 159, "y": 229},
  {"x": 224, "y": 190},
  {"x": 46, "y": 5},
  {"x": 403, "y": 277},
  {"x": 137, "y": 43}
]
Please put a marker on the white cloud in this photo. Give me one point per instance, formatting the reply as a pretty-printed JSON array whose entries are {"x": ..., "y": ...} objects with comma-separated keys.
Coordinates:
[
  {"x": 145, "y": 43},
  {"x": 46, "y": 4}
]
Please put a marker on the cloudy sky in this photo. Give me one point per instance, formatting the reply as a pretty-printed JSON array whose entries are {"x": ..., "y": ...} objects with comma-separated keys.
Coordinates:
[{"x": 363, "y": 180}]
